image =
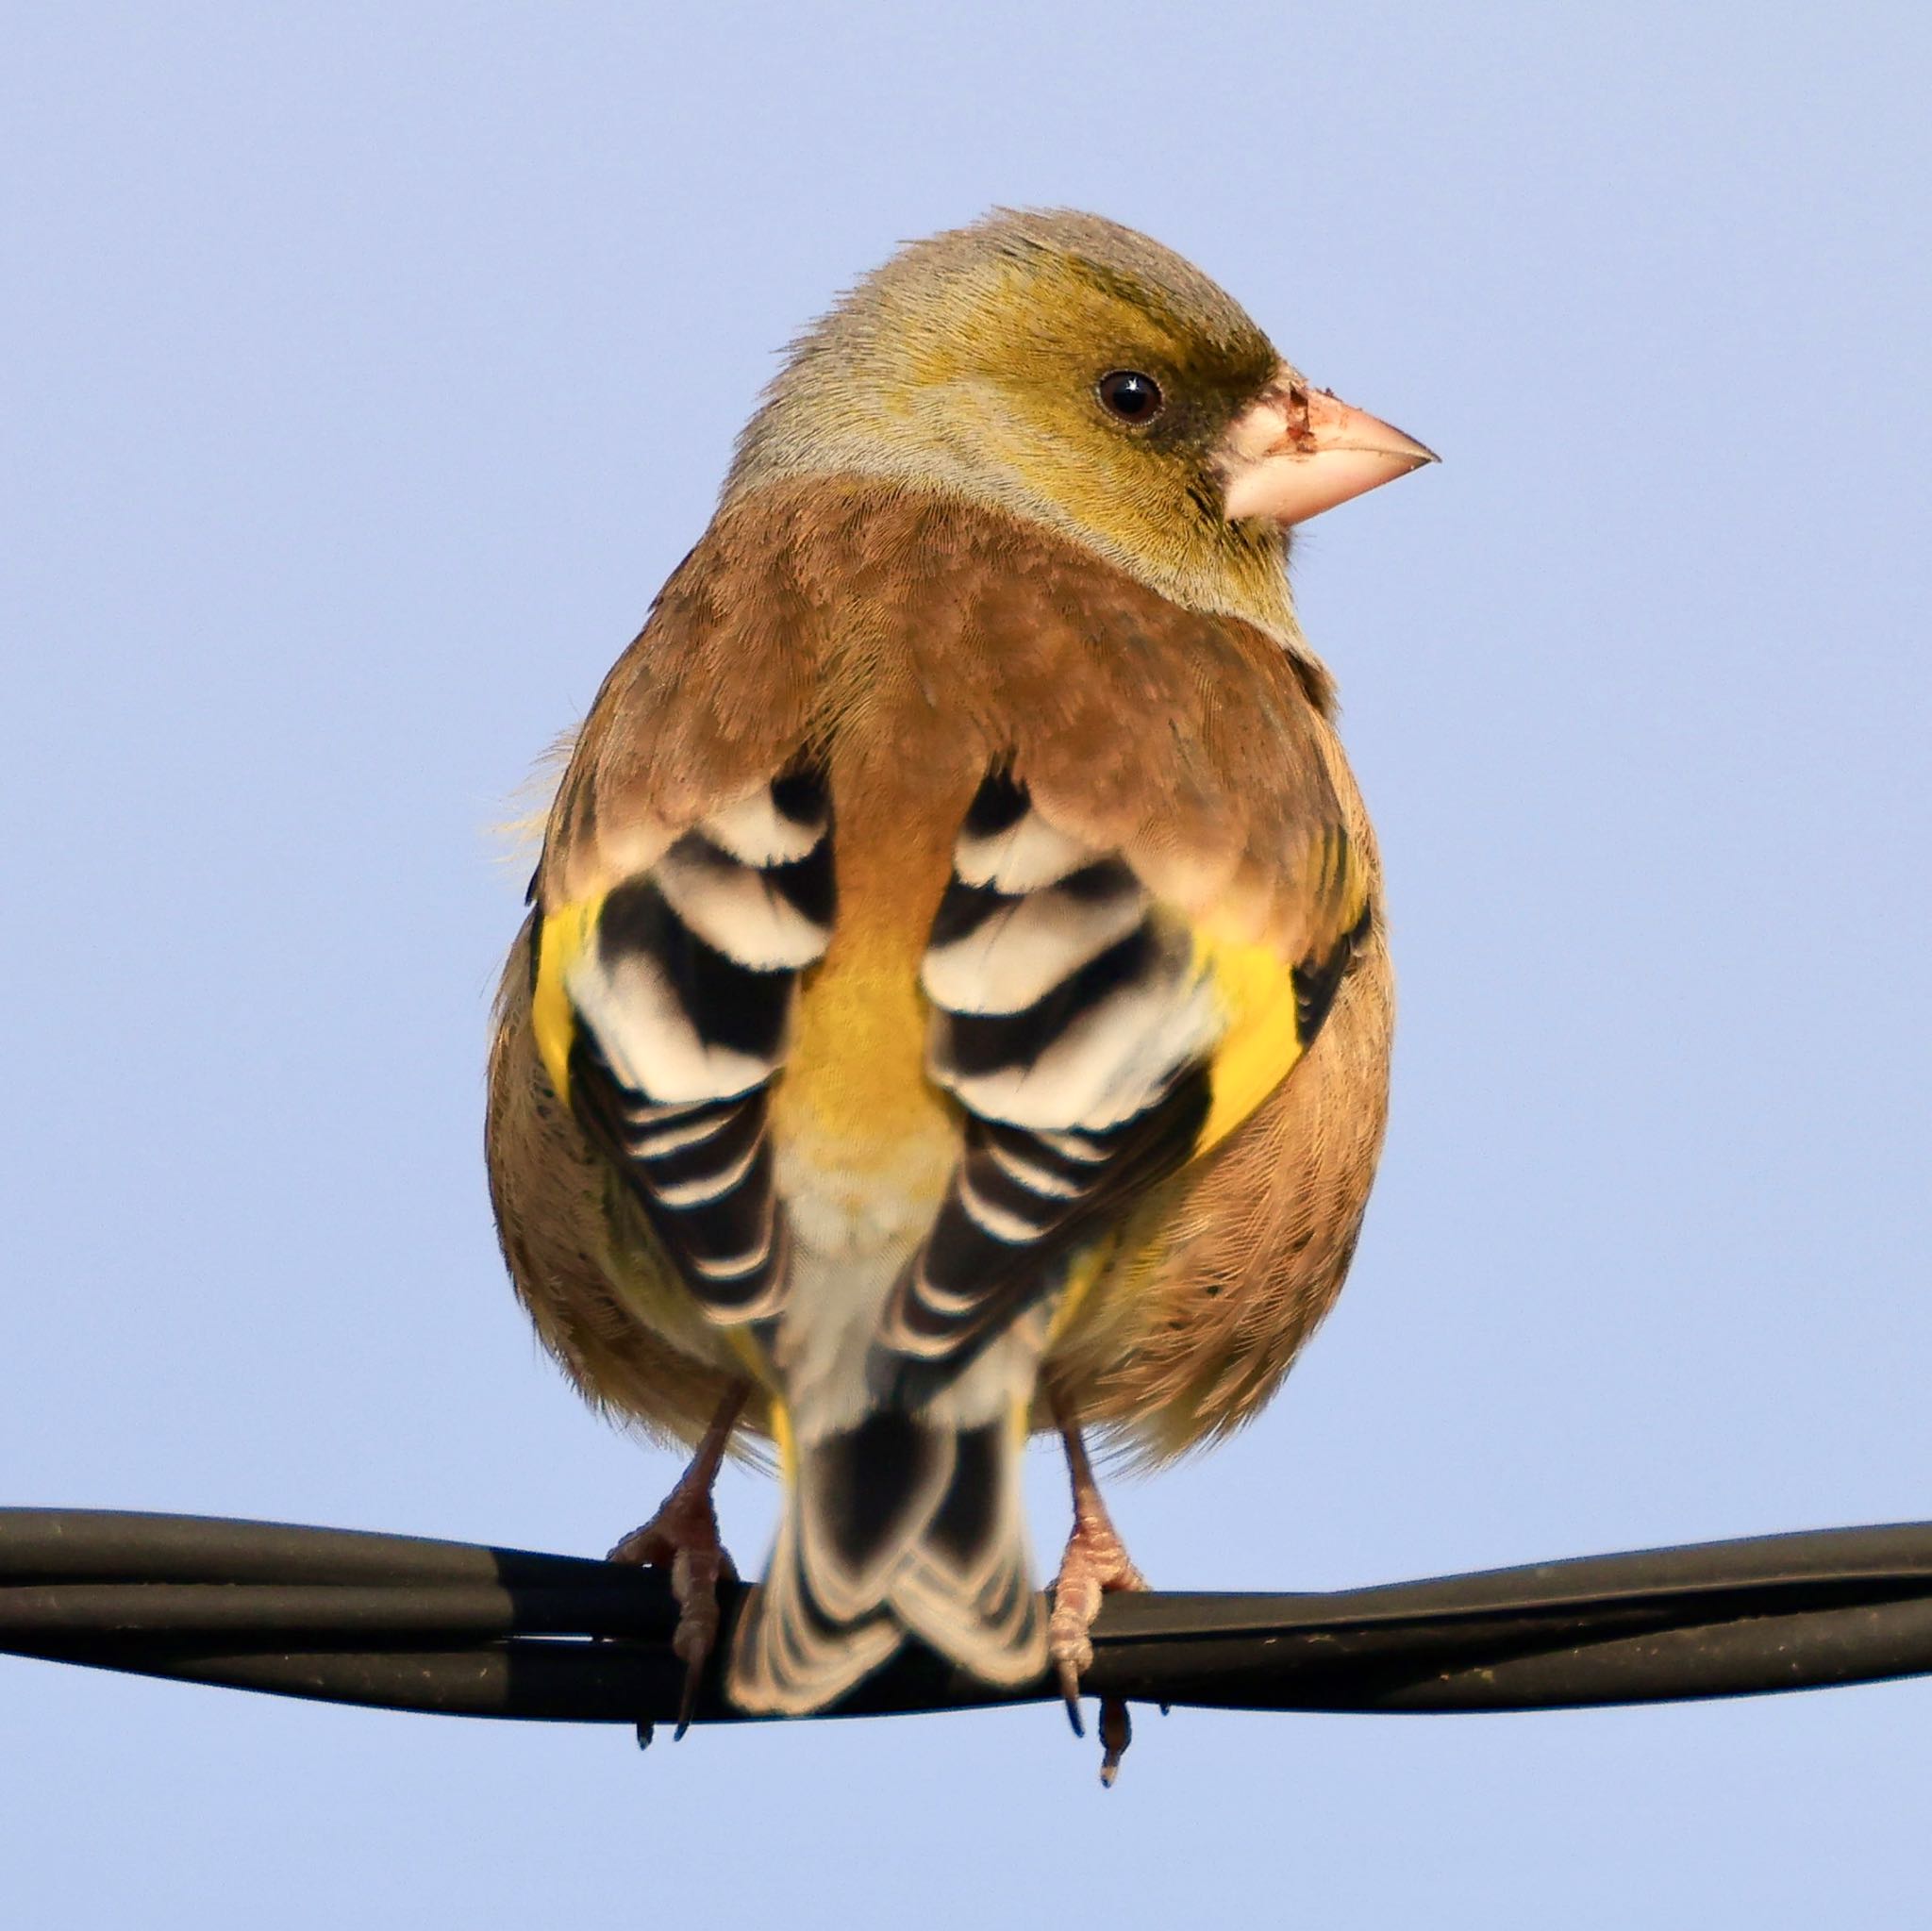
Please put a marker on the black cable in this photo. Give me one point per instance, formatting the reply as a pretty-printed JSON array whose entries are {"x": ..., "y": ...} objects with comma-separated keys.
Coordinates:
[{"x": 405, "y": 1624}]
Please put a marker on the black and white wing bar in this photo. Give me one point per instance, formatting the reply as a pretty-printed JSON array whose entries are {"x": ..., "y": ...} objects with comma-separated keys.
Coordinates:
[
  {"x": 464, "y": 1630},
  {"x": 683, "y": 1012},
  {"x": 1074, "y": 1027}
]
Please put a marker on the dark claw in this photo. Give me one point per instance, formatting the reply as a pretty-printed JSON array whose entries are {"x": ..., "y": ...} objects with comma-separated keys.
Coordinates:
[
  {"x": 687, "y": 1703},
  {"x": 1069, "y": 1689},
  {"x": 1116, "y": 1733}
]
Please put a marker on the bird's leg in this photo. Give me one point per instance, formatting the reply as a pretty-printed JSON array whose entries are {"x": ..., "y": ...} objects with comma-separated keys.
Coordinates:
[
  {"x": 1095, "y": 1565},
  {"x": 682, "y": 1537}
]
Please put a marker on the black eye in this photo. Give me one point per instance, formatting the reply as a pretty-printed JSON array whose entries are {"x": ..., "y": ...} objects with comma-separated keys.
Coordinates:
[{"x": 1130, "y": 395}]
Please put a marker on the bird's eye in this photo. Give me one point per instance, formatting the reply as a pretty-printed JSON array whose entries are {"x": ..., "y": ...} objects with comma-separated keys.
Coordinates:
[{"x": 1130, "y": 395}]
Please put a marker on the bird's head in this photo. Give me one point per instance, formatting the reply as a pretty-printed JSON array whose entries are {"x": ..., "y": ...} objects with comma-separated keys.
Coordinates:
[{"x": 1072, "y": 371}]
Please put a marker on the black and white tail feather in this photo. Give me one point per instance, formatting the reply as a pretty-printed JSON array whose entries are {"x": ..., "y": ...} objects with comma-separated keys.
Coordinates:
[{"x": 903, "y": 1526}]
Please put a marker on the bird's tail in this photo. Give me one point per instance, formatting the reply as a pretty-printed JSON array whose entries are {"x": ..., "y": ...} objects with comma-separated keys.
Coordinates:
[{"x": 905, "y": 1526}]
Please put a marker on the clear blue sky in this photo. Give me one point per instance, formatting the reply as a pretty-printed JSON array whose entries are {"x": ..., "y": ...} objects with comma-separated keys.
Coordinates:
[{"x": 367, "y": 366}]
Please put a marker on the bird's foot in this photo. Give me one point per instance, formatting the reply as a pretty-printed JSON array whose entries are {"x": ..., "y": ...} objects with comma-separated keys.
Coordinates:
[
  {"x": 1096, "y": 1565},
  {"x": 683, "y": 1539}
]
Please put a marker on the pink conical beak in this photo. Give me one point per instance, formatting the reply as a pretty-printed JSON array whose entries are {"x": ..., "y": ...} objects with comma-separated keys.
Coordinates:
[{"x": 1298, "y": 451}]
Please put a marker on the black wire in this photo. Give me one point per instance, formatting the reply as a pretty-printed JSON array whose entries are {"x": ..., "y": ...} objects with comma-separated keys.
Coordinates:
[{"x": 405, "y": 1624}]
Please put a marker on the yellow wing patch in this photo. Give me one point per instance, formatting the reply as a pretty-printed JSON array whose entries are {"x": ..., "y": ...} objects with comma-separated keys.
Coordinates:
[
  {"x": 1255, "y": 987},
  {"x": 1274, "y": 1007},
  {"x": 563, "y": 938}
]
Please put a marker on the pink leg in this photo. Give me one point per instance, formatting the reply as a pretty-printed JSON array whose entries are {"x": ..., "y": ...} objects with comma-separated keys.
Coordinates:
[
  {"x": 682, "y": 1537},
  {"x": 1095, "y": 1565}
]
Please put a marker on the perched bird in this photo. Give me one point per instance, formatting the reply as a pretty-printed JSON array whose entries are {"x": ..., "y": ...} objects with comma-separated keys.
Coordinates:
[{"x": 954, "y": 1001}]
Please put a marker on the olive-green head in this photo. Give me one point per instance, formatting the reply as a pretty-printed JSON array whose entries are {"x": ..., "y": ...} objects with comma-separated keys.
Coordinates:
[{"x": 1064, "y": 368}]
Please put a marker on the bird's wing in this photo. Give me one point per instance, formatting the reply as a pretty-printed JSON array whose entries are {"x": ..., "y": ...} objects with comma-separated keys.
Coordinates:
[
  {"x": 687, "y": 881},
  {"x": 662, "y": 1008},
  {"x": 1105, "y": 1010}
]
